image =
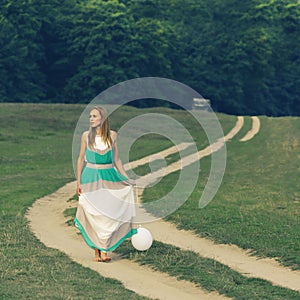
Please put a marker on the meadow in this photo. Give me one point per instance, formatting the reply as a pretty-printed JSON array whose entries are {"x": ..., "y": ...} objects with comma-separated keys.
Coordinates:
[{"x": 257, "y": 206}]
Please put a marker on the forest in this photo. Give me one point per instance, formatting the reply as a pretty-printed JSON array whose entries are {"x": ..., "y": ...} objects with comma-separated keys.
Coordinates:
[{"x": 242, "y": 55}]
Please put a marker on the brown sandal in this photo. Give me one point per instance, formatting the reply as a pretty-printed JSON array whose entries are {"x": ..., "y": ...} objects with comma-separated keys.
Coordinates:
[
  {"x": 105, "y": 259},
  {"x": 98, "y": 257}
]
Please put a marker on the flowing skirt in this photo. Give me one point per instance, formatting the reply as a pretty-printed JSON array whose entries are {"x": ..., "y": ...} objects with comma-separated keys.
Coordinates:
[{"x": 106, "y": 209}]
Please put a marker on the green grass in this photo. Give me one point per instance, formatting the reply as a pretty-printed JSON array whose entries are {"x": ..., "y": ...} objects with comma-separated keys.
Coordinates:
[
  {"x": 204, "y": 272},
  {"x": 29, "y": 270},
  {"x": 156, "y": 164},
  {"x": 246, "y": 127},
  {"x": 35, "y": 152},
  {"x": 36, "y": 159},
  {"x": 69, "y": 213},
  {"x": 256, "y": 207},
  {"x": 144, "y": 145},
  {"x": 35, "y": 155}
]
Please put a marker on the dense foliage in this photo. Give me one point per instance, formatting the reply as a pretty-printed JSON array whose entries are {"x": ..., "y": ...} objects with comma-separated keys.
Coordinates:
[{"x": 243, "y": 55}]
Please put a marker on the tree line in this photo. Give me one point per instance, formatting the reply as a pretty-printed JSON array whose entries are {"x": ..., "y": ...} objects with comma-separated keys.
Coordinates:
[{"x": 243, "y": 55}]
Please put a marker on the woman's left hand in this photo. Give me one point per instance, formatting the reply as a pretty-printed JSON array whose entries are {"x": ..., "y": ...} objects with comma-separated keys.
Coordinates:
[{"x": 131, "y": 181}]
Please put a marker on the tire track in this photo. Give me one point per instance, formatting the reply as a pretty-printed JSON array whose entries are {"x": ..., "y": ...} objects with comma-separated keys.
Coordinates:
[
  {"x": 253, "y": 131},
  {"x": 54, "y": 232}
]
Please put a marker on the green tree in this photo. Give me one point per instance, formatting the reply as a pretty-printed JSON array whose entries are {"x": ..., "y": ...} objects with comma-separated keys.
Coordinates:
[
  {"x": 285, "y": 86},
  {"x": 109, "y": 45},
  {"x": 240, "y": 54},
  {"x": 230, "y": 50},
  {"x": 96, "y": 40},
  {"x": 57, "y": 66},
  {"x": 21, "y": 51}
]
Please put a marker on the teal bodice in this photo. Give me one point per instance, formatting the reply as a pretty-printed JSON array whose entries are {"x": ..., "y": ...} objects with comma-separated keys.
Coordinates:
[
  {"x": 90, "y": 175},
  {"x": 97, "y": 158}
]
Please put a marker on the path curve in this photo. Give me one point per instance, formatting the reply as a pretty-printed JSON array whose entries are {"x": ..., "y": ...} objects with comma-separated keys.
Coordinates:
[
  {"x": 230, "y": 255},
  {"x": 253, "y": 131},
  {"x": 158, "y": 155},
  {"x": 187, "y": 160},
  {"x": 54, "y": 232}
]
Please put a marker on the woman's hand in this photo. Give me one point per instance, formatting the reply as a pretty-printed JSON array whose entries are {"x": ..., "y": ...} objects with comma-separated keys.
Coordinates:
[
  {"x": 78, "y": 189},
  {"x": 131, "y": 181}
]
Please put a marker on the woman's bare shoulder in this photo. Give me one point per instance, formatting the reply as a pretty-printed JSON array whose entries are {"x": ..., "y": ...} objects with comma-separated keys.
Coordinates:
[
  {"x": 113, "y": 134},
  {"x": 84, "y": 135}
]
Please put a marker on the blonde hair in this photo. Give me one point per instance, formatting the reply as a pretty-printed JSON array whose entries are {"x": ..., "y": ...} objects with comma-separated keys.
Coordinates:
[{"x": 104, "y": 129}]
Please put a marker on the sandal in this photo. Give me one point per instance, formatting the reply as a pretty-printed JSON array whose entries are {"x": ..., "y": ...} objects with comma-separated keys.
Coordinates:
[
  {"x": 98, "y": 257},
  {"x": 105, "y": 259}
]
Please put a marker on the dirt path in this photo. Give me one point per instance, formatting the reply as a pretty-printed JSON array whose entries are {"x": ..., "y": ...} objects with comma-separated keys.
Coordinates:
[
  {"x": 253, "y": 131},
  {"x": 187, "y": 160},
  {"x": 159, "y": 155},
  {"x": 230, "y": 255},
  {"x": 54, "y": 232}
]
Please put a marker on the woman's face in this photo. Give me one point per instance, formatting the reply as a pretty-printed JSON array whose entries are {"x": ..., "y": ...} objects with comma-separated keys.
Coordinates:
[{"x": 95, "y": 118}]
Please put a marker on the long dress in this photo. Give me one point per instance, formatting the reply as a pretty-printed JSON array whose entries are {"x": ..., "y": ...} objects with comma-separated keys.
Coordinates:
[{"x": 106, "y": 204}]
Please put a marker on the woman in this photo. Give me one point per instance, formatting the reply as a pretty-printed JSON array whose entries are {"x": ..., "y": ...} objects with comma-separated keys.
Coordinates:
[{"x": 106, "y": 199}]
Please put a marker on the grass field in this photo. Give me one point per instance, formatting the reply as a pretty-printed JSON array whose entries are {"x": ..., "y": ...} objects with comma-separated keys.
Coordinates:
[
  {"x": 257, "y": 206},
  {"x": 36, "y": 159}
]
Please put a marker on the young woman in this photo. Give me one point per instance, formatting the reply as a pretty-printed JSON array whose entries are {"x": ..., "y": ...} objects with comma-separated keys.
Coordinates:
[{"x": 106, "y": 199}]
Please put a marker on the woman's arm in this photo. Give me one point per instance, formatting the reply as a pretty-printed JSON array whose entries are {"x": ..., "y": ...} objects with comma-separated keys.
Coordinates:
[
  {"x": 80, "y": 162},
  {"x": 117, "y": 160}
]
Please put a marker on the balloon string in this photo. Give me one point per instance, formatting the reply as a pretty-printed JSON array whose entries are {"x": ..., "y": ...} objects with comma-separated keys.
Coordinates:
[
  {"x": 136, "y": 194},
  {"x": 137, "y": 198}
]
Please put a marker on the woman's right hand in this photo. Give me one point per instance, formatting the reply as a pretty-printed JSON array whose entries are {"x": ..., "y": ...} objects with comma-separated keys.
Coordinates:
[{"x": 78, "y": 189}]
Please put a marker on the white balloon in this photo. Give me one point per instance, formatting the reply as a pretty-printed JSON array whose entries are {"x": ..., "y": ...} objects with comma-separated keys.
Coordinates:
[{"x": 142, "y": 240}]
